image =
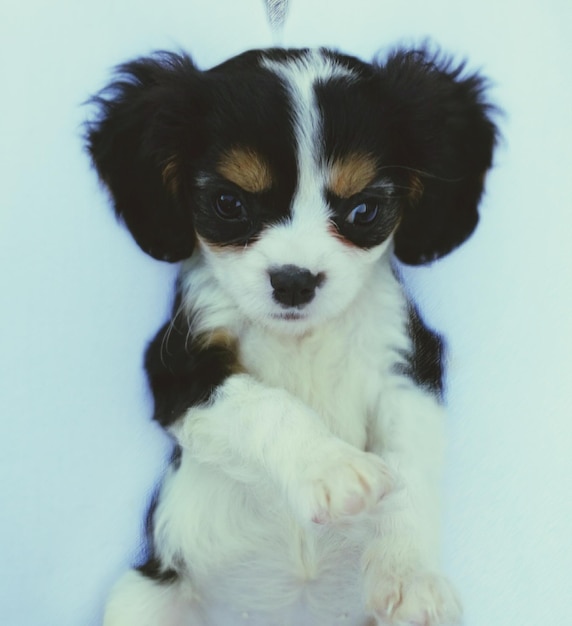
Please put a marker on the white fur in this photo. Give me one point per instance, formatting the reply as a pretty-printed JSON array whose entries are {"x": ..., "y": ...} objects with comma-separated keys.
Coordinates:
[{"x": 308, "y": 486}]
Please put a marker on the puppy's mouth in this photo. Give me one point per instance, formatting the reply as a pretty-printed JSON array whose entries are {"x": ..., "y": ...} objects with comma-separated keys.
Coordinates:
[{"x": 289, "y": 316}]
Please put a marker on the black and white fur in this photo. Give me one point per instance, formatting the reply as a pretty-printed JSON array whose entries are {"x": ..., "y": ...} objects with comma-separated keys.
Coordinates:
[{"x": 300, "y": 386}]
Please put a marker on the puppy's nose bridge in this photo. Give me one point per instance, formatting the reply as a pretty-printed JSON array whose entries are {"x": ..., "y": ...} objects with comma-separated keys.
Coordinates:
[{"x": 294, "y": 286}]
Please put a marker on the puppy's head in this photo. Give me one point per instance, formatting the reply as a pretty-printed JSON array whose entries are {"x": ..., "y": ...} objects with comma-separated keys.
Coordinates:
[{"x": 294, "y": 171}]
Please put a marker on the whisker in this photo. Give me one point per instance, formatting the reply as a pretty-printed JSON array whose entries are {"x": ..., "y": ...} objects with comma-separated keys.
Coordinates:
[
  {"x": 164, "y": 350},
  {"x": 423, "y": 173}
]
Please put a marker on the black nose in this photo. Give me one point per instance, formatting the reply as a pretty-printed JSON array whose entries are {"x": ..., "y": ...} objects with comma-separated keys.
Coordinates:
[{"x": 294, "y": 286}]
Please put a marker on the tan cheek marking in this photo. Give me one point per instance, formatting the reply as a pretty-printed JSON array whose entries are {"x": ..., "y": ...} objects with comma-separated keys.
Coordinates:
[
  {"x": 221, "y": 338},
  {"x": 334, "y": 232},
  {"x": 416, "y": 188},
  {"x": 170, "y": 176},
  {"x": 247, "y": 169},
  {"x": 351, "y": 174}
]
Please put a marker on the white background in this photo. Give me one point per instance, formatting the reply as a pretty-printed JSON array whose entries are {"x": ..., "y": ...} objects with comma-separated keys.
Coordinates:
[{"x": 79, "y": 301}]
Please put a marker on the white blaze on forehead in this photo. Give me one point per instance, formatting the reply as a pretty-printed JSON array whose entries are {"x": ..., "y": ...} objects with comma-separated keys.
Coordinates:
[{"x": 300, "y": 76}]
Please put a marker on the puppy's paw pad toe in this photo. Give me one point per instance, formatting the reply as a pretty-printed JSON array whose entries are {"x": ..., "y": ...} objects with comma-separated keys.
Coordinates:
[
  {"x": 346, "y": 487},
  {"x": 416, "y": 599}
]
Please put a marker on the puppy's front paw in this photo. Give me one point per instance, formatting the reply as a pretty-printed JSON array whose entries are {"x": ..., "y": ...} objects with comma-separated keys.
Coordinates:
[
  {"x": 414, "y": 598},
  {"x": 343, "y": 482}
]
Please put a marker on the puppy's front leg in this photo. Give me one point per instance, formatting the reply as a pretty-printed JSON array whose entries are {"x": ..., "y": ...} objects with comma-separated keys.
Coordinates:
[
  {"x": 403, "y": 584},
  {"x": 224, "y": 417},
  {"x": 250, "y": 431}
]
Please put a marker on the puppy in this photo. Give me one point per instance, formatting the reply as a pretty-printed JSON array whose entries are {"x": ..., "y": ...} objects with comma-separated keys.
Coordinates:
[{"x": 301, "y": 388}]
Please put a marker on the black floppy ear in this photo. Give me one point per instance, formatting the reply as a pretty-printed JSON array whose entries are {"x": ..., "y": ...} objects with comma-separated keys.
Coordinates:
[
  {"x": 445, "y": 139},
  {"x": 145, "y": 136}
]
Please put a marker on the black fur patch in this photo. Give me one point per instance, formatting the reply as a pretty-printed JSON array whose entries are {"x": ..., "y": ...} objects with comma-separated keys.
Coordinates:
[
  {"x": 424, "y": 365},
  {"x": 182, "y": 372},
  {"x": 176, "y": 457},
  {"x": 152, "y": 567},
  {"x": 150, "y": 115},
  {"x": 438, "y": 122}
]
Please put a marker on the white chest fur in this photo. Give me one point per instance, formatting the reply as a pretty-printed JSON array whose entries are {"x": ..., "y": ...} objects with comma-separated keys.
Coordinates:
[{"x": 341, "y": 368}]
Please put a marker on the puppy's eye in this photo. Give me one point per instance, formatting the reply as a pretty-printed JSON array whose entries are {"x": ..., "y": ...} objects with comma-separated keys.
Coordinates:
[
  {"x": 229, "y": 207},
  {"x": 363, "y": 214}
]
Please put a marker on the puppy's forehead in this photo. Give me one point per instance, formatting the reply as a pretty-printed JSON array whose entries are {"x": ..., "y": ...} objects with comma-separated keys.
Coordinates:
[
  {"x": 283, "y": 138},
  {"x": 342, "y": 169}
]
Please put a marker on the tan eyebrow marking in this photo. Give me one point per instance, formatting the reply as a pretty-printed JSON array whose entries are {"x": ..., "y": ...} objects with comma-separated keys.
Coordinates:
[
  {"x": 246, "y": 168},
  {"x": 351, "y": 174}
]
